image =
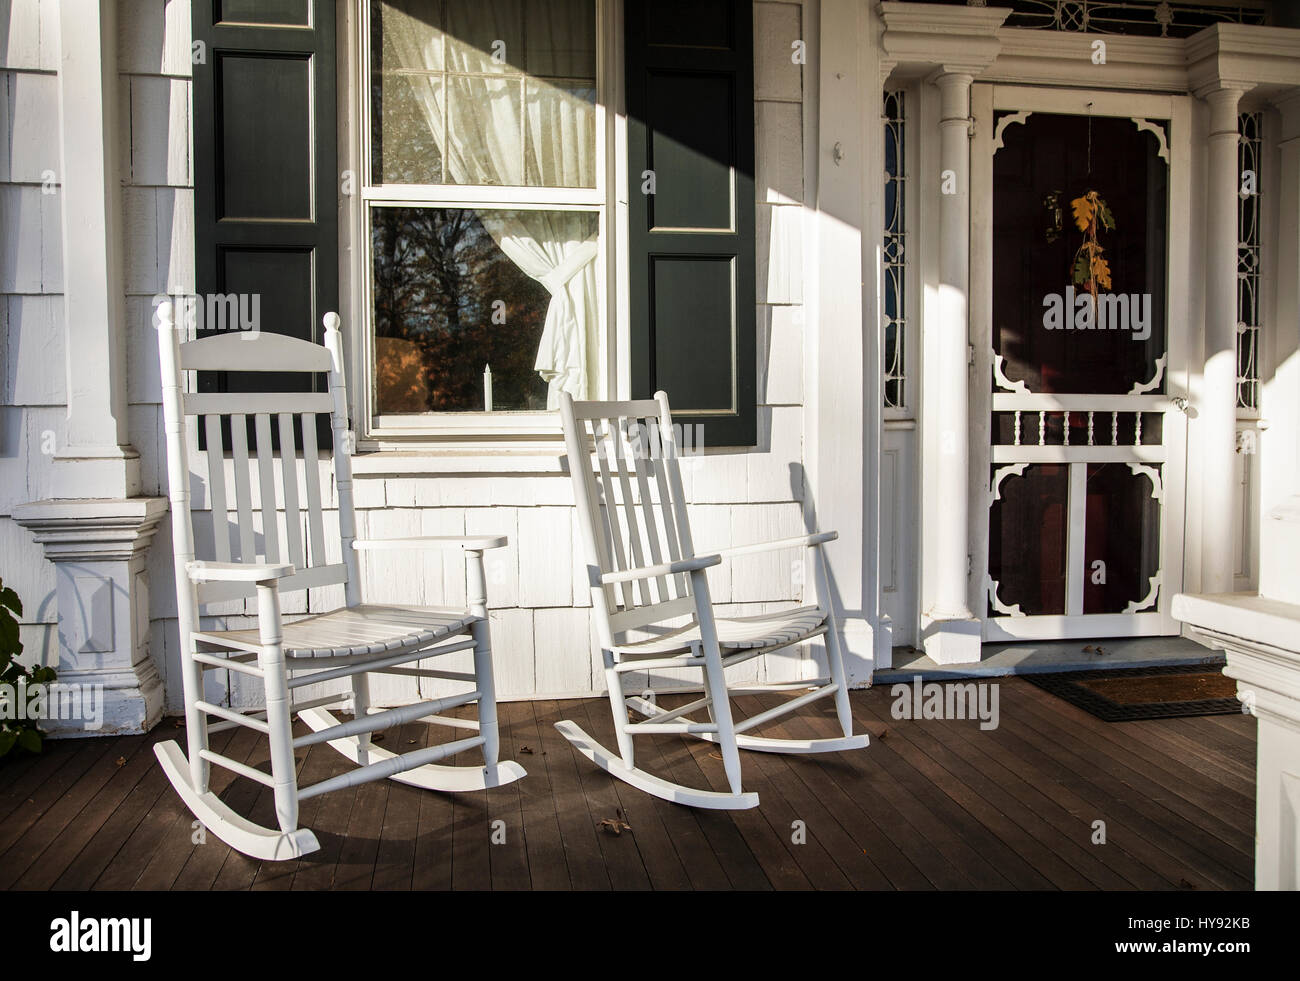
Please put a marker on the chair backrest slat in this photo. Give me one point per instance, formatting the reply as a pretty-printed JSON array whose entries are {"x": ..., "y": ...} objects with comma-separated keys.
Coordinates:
[
  {"x": 220, "y": 510},
  {"x": 266, "y": 482},
  {"x": 670, "y": 530},
  {"x": 610, "y": 525},
  {"x": 643, "y": 462},
  {"x": 289, "y": 479},
  {"x": 614, "y": 432},
  {"x": 311, "y": 471},
  {"x": 631, "y": 508},
  {"x": 243, "y": 487}
]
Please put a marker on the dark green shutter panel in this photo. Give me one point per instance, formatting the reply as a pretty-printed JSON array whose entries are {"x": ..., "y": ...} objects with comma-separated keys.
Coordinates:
[
  {"x": 690, "y": 108},
  {"x": 265, "y": 169}
]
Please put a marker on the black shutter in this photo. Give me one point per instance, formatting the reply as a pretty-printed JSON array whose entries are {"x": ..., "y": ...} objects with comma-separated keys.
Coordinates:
[
  {"x": 690, "y": 108},
  {"x": 266, "y": 175}
]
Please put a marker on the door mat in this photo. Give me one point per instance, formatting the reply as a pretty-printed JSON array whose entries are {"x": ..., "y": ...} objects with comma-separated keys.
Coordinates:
[{"x": 1129, "y": 694}]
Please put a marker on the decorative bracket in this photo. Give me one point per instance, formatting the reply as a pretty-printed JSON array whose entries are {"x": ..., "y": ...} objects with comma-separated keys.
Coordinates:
[
  {"x": 1004, "y": 122},
  {"x": 1158, "y": 131},
  {"x": 1141, "y": 388}
]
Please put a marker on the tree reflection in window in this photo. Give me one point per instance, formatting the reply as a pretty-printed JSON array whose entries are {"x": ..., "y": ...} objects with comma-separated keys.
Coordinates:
[{"x": 447, "y": 303}]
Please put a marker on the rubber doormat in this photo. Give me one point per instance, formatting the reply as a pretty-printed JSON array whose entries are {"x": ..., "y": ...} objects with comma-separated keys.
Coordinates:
[{"x": 1129, "y": 694}]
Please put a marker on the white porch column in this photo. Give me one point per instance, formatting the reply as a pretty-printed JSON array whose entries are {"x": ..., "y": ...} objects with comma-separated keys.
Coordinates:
[
  {"x": 95, "y": 528},
  {"x": 950, "y": 633},
  {"x": 1217, "y": 409},
  {"x": 949, "y": 46}
]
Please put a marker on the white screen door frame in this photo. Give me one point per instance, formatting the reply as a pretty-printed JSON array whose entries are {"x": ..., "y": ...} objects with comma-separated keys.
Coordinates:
[{"x": 1165, "y": 463}]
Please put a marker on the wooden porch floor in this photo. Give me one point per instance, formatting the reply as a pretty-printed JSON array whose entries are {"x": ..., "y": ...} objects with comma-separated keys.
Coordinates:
[{"x": 929, "y": 805}]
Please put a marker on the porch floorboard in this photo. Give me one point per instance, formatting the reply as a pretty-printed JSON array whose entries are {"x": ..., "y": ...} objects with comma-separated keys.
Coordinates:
[{"x": 930, "y": 804}]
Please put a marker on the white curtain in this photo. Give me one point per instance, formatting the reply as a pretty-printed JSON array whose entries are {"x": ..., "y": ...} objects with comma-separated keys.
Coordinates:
[{"x": 482, "y": 140}]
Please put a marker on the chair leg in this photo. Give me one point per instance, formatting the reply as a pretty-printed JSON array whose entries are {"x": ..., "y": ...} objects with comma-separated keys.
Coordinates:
[
  {"x": 715, "y": 683},
  {"x": 196, "y": 723},
  {"x": 361, "y": 708},
  {"x": 488, "y": 726},
  {"x": 278, "y": 716},
  {"x": 835, "y": 652},
  {"x": 618, "y": 709}
]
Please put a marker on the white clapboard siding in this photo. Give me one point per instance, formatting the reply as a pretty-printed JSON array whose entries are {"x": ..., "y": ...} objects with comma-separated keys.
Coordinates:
[
  {"x": 545, "y": 556},
  {"x": 563, "y": 650}
]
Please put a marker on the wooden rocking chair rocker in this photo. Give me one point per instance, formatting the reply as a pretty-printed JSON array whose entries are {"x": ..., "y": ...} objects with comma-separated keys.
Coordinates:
[
  {"x": 353, "y": 642},
  {"x": 644, "y": 575}
]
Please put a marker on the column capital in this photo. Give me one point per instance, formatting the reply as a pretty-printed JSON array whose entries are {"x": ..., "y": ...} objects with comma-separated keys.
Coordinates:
[{"x": 953, "y": 39}]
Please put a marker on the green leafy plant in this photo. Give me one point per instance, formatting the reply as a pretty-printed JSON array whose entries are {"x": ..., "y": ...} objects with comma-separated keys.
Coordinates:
[{"x": 16, "y": 732}]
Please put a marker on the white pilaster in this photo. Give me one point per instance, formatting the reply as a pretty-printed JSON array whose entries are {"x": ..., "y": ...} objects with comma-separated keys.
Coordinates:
[
  {"x": 840, "y": 442},
  {"x": 94, "y": 527},
  {"x": 1217, "y": 411},
  {"x": 97, "y": 459}
]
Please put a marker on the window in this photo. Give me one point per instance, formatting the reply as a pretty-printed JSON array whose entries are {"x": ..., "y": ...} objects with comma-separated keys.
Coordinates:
[
  {"x": 485, "y": 208},
  {"x": 895, "y": 291}
]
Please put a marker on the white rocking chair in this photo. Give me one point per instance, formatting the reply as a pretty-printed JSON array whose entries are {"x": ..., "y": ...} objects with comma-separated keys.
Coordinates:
[
  {"x": 352, "y": 642},
  {"x": 644, "y": 574}
]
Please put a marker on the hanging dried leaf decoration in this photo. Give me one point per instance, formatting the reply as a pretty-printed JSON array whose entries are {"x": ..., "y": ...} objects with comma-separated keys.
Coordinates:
[{"x": 1090, "y": 270}]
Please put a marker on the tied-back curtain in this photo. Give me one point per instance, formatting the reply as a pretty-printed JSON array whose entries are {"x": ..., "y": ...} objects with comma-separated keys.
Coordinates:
[{"x": 516, "y": 131}]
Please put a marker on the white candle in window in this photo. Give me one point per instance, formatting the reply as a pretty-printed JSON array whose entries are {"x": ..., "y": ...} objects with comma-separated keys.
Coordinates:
[{"x": 487, "y": 388}]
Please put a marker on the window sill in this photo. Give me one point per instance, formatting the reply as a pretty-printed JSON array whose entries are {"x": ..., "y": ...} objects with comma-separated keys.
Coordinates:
[{"x": 543, "y": 460}]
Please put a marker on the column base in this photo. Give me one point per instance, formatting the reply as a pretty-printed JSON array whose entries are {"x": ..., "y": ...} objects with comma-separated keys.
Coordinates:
[
  {"x": 107, "y": 683},
  {"x": 958, "y": 641},
  {"x": 105, "y": 703}
]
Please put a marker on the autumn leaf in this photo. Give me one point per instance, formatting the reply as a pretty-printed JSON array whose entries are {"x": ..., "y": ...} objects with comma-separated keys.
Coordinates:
[
  {"x": 1107, "y": 219},
  {"x": 1084, "y": 210},
  {"x": 1081, "y": 268},
  {"x": 1101, "y": 272}
]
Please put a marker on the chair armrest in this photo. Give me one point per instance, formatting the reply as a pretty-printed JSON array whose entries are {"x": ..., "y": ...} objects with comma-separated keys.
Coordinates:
[
  {"x": 801, "y": 541},
  {"x": 237, "y": 571},
  {"x": 662, "y": 569},
  {"x": 475, "y": 543}
]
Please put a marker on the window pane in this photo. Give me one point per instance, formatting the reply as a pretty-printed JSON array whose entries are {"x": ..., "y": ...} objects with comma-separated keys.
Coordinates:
[
  {"x": 485, "y": 35},
  {"x": 560, "y": 39},
  {"x": 484, "y": 92},
  {"x": 561, "y": 134},
  {"x": 405, "y": 150},
  {"x": 483, "y": 130},
  {"x": 449, "y": 301}
]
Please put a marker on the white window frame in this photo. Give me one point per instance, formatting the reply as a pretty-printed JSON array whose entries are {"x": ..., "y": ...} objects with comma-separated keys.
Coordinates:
[{"x": 481, "y": 430}]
